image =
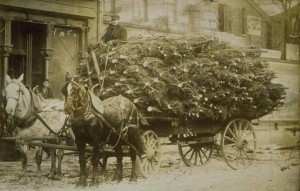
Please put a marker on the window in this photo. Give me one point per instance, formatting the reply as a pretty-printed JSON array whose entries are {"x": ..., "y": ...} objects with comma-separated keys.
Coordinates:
[
  {"x": 171, "y": 10},
  {"x": 139, "y": 9}
]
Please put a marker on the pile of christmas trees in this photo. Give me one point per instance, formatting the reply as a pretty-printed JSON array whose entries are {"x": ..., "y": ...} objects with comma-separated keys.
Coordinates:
[{"x": 189, "y": 78}]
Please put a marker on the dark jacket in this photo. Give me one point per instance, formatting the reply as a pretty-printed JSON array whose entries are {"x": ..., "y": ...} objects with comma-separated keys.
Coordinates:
[
  {"x": 45, "y": 92},
  {"x": 117, "y": 32}
]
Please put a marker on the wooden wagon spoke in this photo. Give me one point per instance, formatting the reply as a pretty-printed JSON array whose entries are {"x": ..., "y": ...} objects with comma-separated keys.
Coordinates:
[
  {"x": 230, "y": 139},
  {"x": 246, "y": 154},
  {"x": 235, "y": 128},
  {"x": 195, "y": 163},
  {"x": 231, "y": 145},
  {"x": 249, "y": 149},
  {"x": 186, "y": 145},
  {"x": 239, "y": 128},
  {"x": 242, "y": 159},
  {"x": 199, "y": 152},
  {"x": 233, "y": 135},
  {"x": 203, "y": 153},
  {"x": 192, "y": 155},
  {"x": 188, "y": 152}
]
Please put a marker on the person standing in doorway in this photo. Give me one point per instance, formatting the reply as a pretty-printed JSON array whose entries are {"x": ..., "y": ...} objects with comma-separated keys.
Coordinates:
[{"x": 44, "y": 90}]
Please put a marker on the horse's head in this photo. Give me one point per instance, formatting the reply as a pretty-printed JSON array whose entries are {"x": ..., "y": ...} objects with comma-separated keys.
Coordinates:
[
  {"x": 17, "y": 97},
  {"x": 76, "y": 98}
]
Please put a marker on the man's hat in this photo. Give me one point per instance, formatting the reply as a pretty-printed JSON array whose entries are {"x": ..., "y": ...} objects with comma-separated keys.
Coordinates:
[
  {"x": 114, "y": 17},
  {"x": 45, "y": 80}
]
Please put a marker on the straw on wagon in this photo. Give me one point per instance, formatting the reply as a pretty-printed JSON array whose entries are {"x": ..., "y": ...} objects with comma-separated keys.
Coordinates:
[{"x": 189, "y": 78}]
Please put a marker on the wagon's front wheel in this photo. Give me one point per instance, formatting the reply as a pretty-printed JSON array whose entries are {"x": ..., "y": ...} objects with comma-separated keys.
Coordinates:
[
  {"x": 196, "y": 154},
  {"x": 151, "y": 163},
  {"x": 239, "y": 143}
]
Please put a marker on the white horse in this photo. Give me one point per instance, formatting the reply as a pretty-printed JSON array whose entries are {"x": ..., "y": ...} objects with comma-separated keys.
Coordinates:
[{"x": 26, "y": 122}]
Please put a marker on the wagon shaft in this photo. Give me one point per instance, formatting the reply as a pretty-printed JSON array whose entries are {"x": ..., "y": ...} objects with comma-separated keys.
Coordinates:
[{"x": 28, "y": 138}]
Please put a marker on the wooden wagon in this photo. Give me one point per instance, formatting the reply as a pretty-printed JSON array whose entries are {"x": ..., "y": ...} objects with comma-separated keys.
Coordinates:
[{"x": 196, "y": 142}]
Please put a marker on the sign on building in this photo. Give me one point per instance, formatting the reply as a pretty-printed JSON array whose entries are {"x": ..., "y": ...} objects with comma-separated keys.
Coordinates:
[
  {"x": 208, "y": 18},
  {"x": 253, "y": 25}
]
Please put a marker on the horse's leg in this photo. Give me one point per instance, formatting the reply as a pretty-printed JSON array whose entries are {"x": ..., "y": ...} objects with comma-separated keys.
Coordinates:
[
  {"x": 38, "y": 158},
  {"x": 133, "y": 176},
  {"x": 104, "y": 161},
  {"x": 53, "y": 163},
  {"x": 60, "y": 155},
  {"x": 24, "y": 149},
  {"x": 82, "y": 163},
  {"x": 135, "y": 138},
  {"x": 119, "y": 170},
  {"x": 95, "y": 162}
]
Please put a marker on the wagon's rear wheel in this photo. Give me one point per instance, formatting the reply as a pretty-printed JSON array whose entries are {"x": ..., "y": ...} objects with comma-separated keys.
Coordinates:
[
  {"x": 196, "y": 154},
  {"x": 151, "y": 163},
  {"x": 239, "y": 143}
]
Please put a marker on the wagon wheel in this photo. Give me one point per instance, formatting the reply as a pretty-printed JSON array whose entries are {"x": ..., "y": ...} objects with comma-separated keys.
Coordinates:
[
  {"x": 197, "y": 154},
  {"x": 151, "y": 163},
  {"x": 239, "y": 143}
]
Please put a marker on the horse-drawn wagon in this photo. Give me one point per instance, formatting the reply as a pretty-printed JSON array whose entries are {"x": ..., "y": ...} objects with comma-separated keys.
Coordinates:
[
  {"x": 196, "y": 142},
  {"x": 198, "y": 92}
]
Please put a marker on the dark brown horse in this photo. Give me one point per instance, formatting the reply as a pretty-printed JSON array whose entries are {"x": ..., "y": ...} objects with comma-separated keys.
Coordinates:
[{"x": 113, "y": 121}]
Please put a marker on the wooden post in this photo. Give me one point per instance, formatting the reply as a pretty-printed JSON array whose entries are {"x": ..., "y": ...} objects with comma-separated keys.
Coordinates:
[{"x": 5, "y": 49}]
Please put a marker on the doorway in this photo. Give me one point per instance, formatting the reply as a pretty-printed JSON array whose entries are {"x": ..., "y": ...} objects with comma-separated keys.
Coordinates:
[{"x": 27, "y": 39}]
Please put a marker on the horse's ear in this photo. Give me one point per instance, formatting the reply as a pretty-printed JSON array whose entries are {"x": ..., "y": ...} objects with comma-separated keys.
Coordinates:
[
  {"x": 20, "y": 79},
  {"x": 7, "y": 79}
]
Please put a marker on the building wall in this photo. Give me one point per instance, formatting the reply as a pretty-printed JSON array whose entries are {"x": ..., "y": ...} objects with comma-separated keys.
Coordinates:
[
  {"x": 72, "y": 25},
  {"x": 286, "y": 117},
  {"x": 293, "y": 33},
  {"x": 225, "y": 19}
]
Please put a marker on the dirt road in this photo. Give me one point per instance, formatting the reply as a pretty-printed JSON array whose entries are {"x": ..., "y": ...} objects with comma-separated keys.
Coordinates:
[{"x": 274, "y": 170}]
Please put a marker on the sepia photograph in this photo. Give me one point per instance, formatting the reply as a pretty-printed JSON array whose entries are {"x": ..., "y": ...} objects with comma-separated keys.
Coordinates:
[{"x": 150, "y": 95}]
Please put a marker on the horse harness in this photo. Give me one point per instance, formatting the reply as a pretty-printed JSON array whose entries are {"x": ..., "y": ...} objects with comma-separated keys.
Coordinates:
[
  {"x": 31, "y": 115},
  {"x": 123, "y": 134}
]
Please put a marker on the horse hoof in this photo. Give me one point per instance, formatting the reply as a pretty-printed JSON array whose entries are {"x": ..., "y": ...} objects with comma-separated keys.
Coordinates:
[
  {"x": 133, "y": 179},
  {"x": 51, "y": 176},
  {"x": 94, "y": 184},
  {"x": 57, "y": 177},
  {"x": 81, "y": 184},
  {"x": 117, "y": 179}
]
